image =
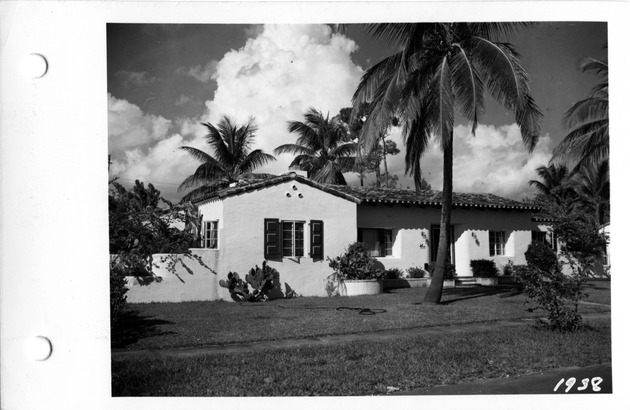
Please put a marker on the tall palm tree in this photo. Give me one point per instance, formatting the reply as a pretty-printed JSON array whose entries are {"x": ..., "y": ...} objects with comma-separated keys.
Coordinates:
[
  {"x": 587, "y": 142},
  {"x": 442, "y": 68},
  {"x": 320, "y": 149},
  {"x": 233, "y": 159}
]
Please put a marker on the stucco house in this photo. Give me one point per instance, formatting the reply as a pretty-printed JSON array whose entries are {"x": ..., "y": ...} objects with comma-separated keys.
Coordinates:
[{"x": 295, "y": 224}]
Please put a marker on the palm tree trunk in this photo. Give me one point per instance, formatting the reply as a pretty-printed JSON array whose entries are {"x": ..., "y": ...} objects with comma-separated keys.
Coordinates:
[
  {"x": 378, "y": 176},
  {"x": 417, "y": 177},
  {"x": 434, "y": 293},
  {"x": 385, "y": 161}
]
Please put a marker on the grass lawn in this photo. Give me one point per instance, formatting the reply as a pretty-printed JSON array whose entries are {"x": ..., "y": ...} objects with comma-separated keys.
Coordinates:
[
  {"x": 364, "y": 368},
  {"x": 165, "y": 325}
]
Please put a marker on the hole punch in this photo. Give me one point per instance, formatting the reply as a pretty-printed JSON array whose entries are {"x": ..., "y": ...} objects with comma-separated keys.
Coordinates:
[
  {"x": 38, "y": 348},
  {"x": 37, "y": 66},
  {"x": 288, "y": 195},
  {"x": 300, "y": 196}
]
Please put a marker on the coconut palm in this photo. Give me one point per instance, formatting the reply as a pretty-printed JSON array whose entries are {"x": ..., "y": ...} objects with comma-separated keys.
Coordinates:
[
  {"x": 592, "y": 185},
  {"x": 556, "y": 186},
  {"x": 233, "y": 159},
  {"x": 587, "y": 142},
  {"x": 320, "y": 149},
  {"x": 442, "y": 68}
]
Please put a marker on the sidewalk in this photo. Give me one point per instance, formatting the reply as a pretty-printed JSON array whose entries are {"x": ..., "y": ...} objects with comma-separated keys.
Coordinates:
[
  {"x": 535, "y": 383},
  {"x": 330, "y": 340}
]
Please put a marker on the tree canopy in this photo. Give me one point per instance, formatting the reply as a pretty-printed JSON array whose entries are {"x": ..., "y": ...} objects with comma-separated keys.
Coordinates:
[{"x": 233, "y": 159}]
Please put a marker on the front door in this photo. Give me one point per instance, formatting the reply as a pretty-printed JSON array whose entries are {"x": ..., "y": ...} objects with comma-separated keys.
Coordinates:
[{"x": 435, "y": 240}]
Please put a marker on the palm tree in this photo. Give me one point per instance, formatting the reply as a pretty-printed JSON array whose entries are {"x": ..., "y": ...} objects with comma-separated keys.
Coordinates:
[
  {"x": 556, "y": 186},
  {"x": 592, "y": 185},
  {"x": 587, "y": 120},
  {"x": 233, "y": 159},
  {"x": 442, "y": 68},
  {"x": 320, "y": 149}
]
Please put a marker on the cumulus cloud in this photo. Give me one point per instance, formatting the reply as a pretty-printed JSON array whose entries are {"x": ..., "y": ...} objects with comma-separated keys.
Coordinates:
[
  {"x": 135, "y": 78},
  {"x": 493, "y": 161},
  {"x": 130, "y": 128},
  {"x": 201, "y": 73},
  {"x": 144, "y": 147},
  {"x": 278, "y": 75},
  {"x": 275, "y": 77},
  {"x": 182, "y": 100}
]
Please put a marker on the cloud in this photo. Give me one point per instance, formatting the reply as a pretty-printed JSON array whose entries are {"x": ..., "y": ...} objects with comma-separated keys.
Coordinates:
[
  {"x": 201, "y": 73},
  {"x": 135, "y": 78},
  {"x": 182, "y": 100},
  {"x": 493, "y": 161},
  {"x": 278, "y": 75},
  {"x": 129, "y": 128}
]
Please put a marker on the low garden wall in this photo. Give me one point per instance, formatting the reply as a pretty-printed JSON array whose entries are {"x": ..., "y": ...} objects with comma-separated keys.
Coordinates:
[{"x": 178, "y": 278}]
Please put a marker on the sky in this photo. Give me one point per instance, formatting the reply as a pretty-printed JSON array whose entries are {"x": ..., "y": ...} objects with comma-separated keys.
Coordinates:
[{"x": 164, "y": 81}]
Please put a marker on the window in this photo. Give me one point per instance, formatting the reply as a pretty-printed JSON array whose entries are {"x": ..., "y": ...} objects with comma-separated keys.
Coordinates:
[
  {"x": 286, "y": 238},
  {"x": 210, "y": 238},
  {"x": 545, "y": 237},
  {"x": 497, "y": 243},
  {"x": 292, "y": 238},
  {"x": 379, "y": 241}
]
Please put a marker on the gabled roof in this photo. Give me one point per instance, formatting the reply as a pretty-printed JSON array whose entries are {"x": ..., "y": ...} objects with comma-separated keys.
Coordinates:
[
  {"x": 368, "y": 195},
  {"x": 242, "y": 188}
]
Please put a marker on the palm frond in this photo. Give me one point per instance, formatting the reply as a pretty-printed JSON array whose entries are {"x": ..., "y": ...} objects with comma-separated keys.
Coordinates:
[
  {"x": 579, "y": 143},
  {"x": 197, "y": 154},
  {"x": 344, "y": 150},
  {"x": 255, "y": 159},
  {"x": 468, "y": 87},
  {"x": 592, "y": 108},
  {"x": 496, "y": 31},
  {"x": 206, "y": 173},
  {"x": 508, "y": 83},
  {"x": 294, "y": 149}
]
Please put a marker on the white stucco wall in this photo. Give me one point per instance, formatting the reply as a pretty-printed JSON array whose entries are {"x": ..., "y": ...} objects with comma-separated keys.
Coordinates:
[
  {"x": 241, "y": 231},
  {"x": 190, "y": 281},
  {"x": 412, "y": 224}
]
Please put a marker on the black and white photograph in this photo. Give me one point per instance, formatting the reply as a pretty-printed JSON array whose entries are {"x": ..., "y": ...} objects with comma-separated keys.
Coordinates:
[
  {"x": 334, "y": 200},
  {"x": 342, "y": 204}
]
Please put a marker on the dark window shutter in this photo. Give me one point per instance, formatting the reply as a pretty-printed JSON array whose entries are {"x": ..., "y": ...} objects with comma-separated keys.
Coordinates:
[
  {"x": 317, "y": 239},
  {"x": 272, "y": 239}
]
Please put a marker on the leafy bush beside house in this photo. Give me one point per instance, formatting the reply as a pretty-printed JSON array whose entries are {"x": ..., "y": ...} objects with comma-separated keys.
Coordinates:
[
  {"x": 484, "y": 268},
  {"x": 355, "y": 263},
  {"x": 141, "y": 225},
  {"x": 393, "y": 273},
  {"x": 416, "y": 272}
]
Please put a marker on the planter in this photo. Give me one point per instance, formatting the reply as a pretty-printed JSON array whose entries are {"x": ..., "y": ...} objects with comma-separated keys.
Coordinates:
[
  {"x": 361, "y": 287},
  {"x": 488, "y": 281},
  {"x": 406, "y": 283}
]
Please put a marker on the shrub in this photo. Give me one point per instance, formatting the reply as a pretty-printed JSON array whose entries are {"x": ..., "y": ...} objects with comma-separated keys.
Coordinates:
[
  {"x": 355, "y": 263},
  {"x": 393, "y": 273},
  {"x": 541, "y": 256},
  {"x": 117, "y": 291},
  {"x": 416, "y": 272},
  {"x": 449, "y": 272},
  {"x": 550, "y": 290},
  {"x": 261, "y": 281},
  {"x": 484, "y": 268}
]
